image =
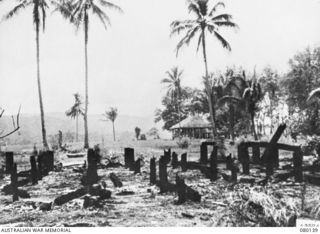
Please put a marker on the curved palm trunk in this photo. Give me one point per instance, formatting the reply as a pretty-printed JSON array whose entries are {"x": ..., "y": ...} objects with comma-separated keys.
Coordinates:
[
  {"x": 43, "y": 128},
  {"x": 86, "y": 138},
  {"x": 114, "y": 132},
  {"x": 212, "y": 115},
  {"x": 253, "y": 127}
]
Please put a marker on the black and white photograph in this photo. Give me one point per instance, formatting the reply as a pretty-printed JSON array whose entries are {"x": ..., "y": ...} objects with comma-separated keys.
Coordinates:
[{"x": 159, "y": 113}]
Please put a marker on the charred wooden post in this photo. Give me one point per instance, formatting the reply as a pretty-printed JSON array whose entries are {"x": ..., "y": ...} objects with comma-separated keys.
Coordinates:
[
  {"x": 203, "y": 153},
  {"x": 270, "y": 164},
  {"x": 137, "y": 166},
  {"x": 153, "y": 171},
  {"x": 9, "y": 162},
  {"x": 39, "y": 161},
  {"x": 174, "y": 161},
  {"x": 297, "y": 162},
  {"x": 183, "y": 162},
  {"x": 234, "y": 171},
  {"x": 34, "y": 171},
  {"x": 243, "y": 156},
  {"x": 181, "y": 190},
  {"x": 256, "y": 154},
  {"x": 115, "y": 180},
  {"x": 92, "y": 174},
  {"x": 49, "y": 160},
  {"x": 163, "y": 175},
  {"x": 128, "y": 157},
  {"x": 14, "y": 183},
  {"x": 213, "y": 164}
]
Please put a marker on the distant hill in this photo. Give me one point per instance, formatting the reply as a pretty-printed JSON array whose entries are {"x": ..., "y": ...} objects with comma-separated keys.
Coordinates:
[{"x": 30, "y": 131}]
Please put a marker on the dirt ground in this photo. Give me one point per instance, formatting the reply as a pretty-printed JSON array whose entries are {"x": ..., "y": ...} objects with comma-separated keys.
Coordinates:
[{"x": 222, "y": 204}]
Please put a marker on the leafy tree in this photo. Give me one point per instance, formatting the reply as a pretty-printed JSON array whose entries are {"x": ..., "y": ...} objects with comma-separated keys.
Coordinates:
[
  {"x": 79, "y": 13},
  {"x": 154, "y": 133},
  {"x": 39, "y": 19},
  {"x": 206, "y": 21},
  {"x": 75, "y": 111},
  {"x": 137, "y": 131},
  {"x": 303, "y": 77},
  {"x": 111, "y": 115}
]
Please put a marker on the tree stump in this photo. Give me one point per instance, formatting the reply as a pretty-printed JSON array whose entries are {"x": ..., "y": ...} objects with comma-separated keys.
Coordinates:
[
  {"x": 163, "y": 175},
  {"x": 229, "y": 162},
  {"x": 181, "y": 190},
  {"x": 92, "y": 175},
  {"x": 137, "y": 166},
  {"x": 14, "y": 183},
  {"x": 153, "y": 171},
  {"x": 39, "y": 160},
  {"x": 183, "y": 163},
  {"x": 49, "y": 160},
  {"x": 167, "y": 155},
  {"x": 297, "y": 163},
  {"x": 203, "y": 153},
  {"x": 115, "y": 180},
  {"x": 256, "y": 154},
  {"x": 234, "y": 171},
  {"x": 9, "y": 162},
  {"x": 213, "y": 164},
  {"x": 174, "y": 161},
  {"x": 34, "y": 171}
]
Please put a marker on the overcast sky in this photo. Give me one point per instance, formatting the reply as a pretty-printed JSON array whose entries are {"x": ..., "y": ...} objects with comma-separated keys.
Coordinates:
[{"x": 127, "y": 62}]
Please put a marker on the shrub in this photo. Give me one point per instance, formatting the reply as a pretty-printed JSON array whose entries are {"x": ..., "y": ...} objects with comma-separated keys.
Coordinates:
[
  {"x": 183, "y": 143},
  {"x": 143, "y": 137}
]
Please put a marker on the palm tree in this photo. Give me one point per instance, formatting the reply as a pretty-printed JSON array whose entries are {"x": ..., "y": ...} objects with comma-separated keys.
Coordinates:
[
  {"x": 111, "y": 115},
  {"x": 252, "y": 95},
  {"x": 79, "y": 13},
  {"x": 76, "y": 110},
  {"x": 206, "y": 21},
  {"x": 39, "y": 18},
  {"x": 173, "y": 82}
]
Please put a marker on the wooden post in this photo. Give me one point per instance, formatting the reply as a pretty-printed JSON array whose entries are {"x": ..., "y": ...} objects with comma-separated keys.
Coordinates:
[
  {"x": 213, "y": 164},
  {"x": 9, "y": 162},
  {"x": 243, "y": 156},
  {"x": 234, "y": 171},
  {"x": 34, "y": 172},
  {"x": 153, "y": 171},
  {"x": 228, "y": 162},
  {"x": 181, "y": 190},
  {"x": 203, "y": 153},
  {"x": 256, "y": 154},
  {"x": 50, "y": 160},
  {"x": 174, "y": 161},
  {"x": 129, "y": 158},
  {"x": 163, "y": 175},
  {"x": 39, "y": 160},
  {"x": 92, "y": 175},
  {"x": 137, "y": 166},
  {"x": 183, "y": 163},
  {"x": 14, "y": 183},
  {"x": 297, "y": 163}
]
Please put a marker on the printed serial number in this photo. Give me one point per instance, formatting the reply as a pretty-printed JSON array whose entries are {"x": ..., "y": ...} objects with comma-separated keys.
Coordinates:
[{"x": 308, "y": 229}]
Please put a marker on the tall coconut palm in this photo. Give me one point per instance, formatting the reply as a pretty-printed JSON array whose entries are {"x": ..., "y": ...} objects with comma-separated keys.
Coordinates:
[
  {"x": 76, "y": 110},
  {"x": 79, "y": 13},
  {"x": 111, "y": 115},
  {"x": 173, "y": 82},
  {"x": 39, "y": 19},
  {"x": 206, "y": 21}
]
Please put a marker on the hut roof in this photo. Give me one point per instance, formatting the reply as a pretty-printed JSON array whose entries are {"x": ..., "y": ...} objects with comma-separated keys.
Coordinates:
[{"x": 193, "y": 122}]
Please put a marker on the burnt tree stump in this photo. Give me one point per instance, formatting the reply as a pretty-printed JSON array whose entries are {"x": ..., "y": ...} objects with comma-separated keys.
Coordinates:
[
  {"x": 183, "y": 162},
  {"x": 115, "y": 180},
  {"x": 34, "y": 171},
  {"x": 14, "y": 183},
  {"x": 203, "y": 153},
  {"x": 137, "y": 166},
  {"x": 297, "y": 163},
  {"x": 49, "y": 160},
  {"x": 153, "y": 171},
  {"x": 234, "y": 171},
  {"x": 167, "y": 155},
  {"x": 174, "y": 161},
  {"x": 213, "y": 164},
  {"x": 229, "y": 162},
  {"x": 9, "y": 162},
  {"x": 39, "y": 161},
  {"x": 163, "y": 175},
  {"x": 181, "y": 190},
  {"x": 92, "y": 175}
]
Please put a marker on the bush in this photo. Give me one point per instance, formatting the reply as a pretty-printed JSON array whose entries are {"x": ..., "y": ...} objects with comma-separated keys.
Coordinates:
[
  {"x": 143, "y": 137},
  {"x": 183, "y": 143}
]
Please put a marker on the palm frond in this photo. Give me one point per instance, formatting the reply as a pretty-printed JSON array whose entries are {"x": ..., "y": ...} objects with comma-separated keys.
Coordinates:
[
  {"x": 215, "y": 7},
  {"x": 199, "y": 42},
  {"x": 227, "y": 17},
  {"x": 186, "y": 39},
  {"x": 101, "y": 15},
  {"x": 16, "y": 10},
  {"x": 313, "y": 96},
  {"x": 111, "y": 5},
  {"x": 193, "y": 7},
  {"x": 224, "y": 43},
  {"x": 178, "y": 26},
  {"x": 226, "y": 24}
]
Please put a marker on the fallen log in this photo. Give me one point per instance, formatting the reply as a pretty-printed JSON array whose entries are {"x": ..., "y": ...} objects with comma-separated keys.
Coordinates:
[
  {"x": 60, "y": 200},
  {"x": 115, "y": 180}
]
